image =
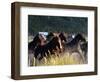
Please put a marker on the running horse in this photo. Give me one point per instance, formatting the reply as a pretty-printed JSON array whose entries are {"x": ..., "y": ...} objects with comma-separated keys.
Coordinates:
[
  {"x": 51, "y": 35},
  {"x": 38, "y": 39},
  {"x": 49, "y": 48},
  {"x": 84, "y": 49},
  {"x": 74, "y": 44},
  {"x": 63, "y": 40},
  {"x": 60, "y": 35}
]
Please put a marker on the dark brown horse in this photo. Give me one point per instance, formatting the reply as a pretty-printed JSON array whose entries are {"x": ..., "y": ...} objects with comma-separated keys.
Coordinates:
[
  {"x": 51, "y": 35},
  {"x": 63, "y": 40},
  {"x": 49, "y": 48},
  {"x": 62, "y": 37},
  {"x": 38, "y": 39}
]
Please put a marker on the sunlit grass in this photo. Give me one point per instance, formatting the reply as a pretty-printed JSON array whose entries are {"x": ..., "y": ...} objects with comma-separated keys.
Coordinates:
[{"x": 63, "y": 59}]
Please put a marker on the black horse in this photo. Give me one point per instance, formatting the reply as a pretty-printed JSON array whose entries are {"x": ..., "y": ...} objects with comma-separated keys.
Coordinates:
[
  {"x": 45, "y": 50},
  {"x": 38, "y": 39},
  {"x": 74, "y": 44}
]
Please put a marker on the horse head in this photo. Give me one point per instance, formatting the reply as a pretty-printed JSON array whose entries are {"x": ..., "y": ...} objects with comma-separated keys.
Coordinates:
[
  {"x": 80, "y": 38},
  {"x": 62, "y": 37},
  {"x": 50, "y": 36},
  {"x": 57, "y": 42}
]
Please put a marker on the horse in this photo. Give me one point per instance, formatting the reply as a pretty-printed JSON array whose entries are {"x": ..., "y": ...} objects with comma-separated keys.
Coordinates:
[
  {"x": 70, "y": 37},
  {"x": 47, "y": 49},
  {"x": 38, "y": 39},
  {"x": 63, "y": 40},
  {"x": 74, "y": 43},
  {"x": 84, "y": 49},
  {"x": 51, "y": 35},
  {"x": 62, "y": 37}
]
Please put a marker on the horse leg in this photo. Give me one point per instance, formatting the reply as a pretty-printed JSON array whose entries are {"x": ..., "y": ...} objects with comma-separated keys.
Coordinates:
[
  {"x": 47, "y": 53},
  {"x": 50, "y": 51},
  {"x": 36, "y": 54},
  {"x": 41, "y": 57},
  {"x": 82, "y": 56},
  {"x": 42, "y": 54}
]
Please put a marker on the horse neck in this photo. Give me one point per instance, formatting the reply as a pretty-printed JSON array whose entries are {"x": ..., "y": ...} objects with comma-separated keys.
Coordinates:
[
  {"x": 76, "y": 41},
  {"x": 34, "y": 43},
  {"x": 50, "y": 42}
]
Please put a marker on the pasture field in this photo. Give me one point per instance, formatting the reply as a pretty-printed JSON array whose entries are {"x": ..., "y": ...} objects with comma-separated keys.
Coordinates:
[{"x": 63, "y": 59}]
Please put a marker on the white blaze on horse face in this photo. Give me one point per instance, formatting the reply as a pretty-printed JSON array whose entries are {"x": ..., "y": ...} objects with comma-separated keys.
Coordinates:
[
  {"x": 44, "y": 37},
  {"x": 60, "y": 44}
]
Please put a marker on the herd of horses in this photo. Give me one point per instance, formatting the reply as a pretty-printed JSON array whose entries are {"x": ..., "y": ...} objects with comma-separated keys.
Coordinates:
[{"x": 56, "y": 43}]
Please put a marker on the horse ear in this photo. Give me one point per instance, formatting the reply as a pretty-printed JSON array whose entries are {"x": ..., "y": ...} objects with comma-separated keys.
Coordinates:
[{"x": 57, "y": 35}]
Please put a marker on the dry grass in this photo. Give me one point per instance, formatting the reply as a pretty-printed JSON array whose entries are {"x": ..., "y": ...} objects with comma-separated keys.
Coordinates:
[{"x": 63, "y": 59}]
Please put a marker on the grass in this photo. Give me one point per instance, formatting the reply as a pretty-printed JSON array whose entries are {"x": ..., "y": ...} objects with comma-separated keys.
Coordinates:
[{"x": 63, "y": 59}]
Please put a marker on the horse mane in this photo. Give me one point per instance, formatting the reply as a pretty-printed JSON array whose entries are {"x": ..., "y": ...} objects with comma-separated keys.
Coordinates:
[
  {"x": 80, "y": 36},
  {"x": 76, "y": 39},
  {"x": 33, "y": 43}
]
